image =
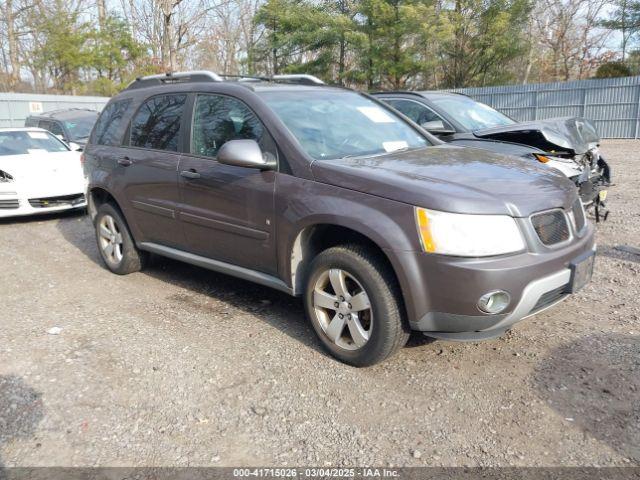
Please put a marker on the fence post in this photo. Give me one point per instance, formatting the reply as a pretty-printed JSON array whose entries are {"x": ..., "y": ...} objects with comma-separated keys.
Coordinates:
[
  {"x": 535, "y": 104},
  {"x": 635, "y": 135}
]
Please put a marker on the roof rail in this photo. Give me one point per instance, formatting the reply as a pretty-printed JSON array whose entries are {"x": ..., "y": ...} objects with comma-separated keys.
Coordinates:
[
  {"x": 207, "y": 76},
  {"x": 298, "y": 78},
  {"x": 175, "y": 77}
]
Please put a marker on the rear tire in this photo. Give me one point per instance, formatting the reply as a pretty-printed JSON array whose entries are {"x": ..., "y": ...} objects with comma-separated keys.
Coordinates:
[
  {"x": 115, "y": 243},
  {"x": 353, "y": 301}
]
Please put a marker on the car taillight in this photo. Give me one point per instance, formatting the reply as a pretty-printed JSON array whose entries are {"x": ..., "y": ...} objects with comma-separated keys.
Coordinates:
[{"x": 82, "y": 159}]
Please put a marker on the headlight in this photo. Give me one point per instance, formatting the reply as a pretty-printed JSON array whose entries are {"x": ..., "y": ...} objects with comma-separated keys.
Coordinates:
[{"x": 467, "y": 235}]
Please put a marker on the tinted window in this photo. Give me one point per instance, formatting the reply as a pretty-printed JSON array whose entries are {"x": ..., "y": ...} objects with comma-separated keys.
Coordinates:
[
  {"x": 108, "y": 127},
  {"x": 157, "y": 123},
  {"x": 31, "y": 122},
  {"x": 218, "y": 119},
  {"x": 333, "y": 124},
  {"x": 56, "y": 129},
  {"x": 24, "y": 142}
]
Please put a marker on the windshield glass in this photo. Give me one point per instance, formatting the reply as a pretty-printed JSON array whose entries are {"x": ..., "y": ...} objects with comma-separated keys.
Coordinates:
[
  {"x": 80, "y": 128},
  {"x": 470, "y": 114},
  {"x": 24, "y": 142},
  {"x": 334, "y": 124}
]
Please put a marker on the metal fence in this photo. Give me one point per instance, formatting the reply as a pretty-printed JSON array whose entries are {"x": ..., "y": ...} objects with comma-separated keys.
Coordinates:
[
  {"x": 612, "y": 103},
  {"x": 16, "y": 107}
]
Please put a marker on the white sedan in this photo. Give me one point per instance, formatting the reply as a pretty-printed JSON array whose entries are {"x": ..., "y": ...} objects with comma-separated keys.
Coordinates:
[{"x": 38, "y": 173}]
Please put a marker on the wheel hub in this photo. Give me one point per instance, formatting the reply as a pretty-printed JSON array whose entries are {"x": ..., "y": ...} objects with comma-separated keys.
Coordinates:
[{"x": 342, "y": 309}]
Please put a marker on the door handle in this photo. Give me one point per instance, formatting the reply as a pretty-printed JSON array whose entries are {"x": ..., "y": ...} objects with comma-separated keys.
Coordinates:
[
  {"x": 124, "y": 161},
  {"x": 191, "y": 173}
]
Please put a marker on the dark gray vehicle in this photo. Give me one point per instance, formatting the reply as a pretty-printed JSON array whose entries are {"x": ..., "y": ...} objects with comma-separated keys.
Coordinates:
[
  {"x": 328, "y": 194},
  {"x": 72, "y": 125},
  {"x": 567, "y": 144}
]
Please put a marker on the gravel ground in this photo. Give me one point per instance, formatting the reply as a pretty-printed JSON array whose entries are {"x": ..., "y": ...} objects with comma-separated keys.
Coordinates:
[{"x": 180, "y": 366}]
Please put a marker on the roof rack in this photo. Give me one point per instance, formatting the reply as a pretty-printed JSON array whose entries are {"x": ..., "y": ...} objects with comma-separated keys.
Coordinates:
[
  {"x": 175, "y": 77},
  {"x": 207, "y": 76},
  {"x": 298, "y": 78}
]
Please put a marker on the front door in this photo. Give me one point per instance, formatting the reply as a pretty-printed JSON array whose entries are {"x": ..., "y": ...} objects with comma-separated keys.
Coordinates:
[
  {"x": 148, "y": 167},
  {"x": 227, "y": 211}
]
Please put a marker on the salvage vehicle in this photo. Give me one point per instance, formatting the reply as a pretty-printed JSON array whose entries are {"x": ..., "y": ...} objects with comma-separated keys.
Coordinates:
[
  {"x": 39, "y": 173},
  {"x": 331, "y": 195},
  {"x": 72, "y": 125},
  {"x": 568, "y": 144}
]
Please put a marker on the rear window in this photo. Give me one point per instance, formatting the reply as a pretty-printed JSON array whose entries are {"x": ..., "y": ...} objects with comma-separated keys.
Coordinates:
[
  {"x": 157, "y": 123},
  {"x": 109, "y": 127},
  {"x": 25, "y": 142}
]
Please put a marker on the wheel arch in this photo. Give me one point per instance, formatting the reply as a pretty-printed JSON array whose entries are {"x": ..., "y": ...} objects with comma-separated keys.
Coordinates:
[{"x": 317, "y": 237}]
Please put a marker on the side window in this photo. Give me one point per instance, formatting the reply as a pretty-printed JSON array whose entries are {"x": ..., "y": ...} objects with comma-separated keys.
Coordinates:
[
  {"x": 56, "y": 129},
  {"x": 419, "y": 113},
  {"x": 31, "y": 122},
  {"x": 46, "y": 124},
  {"x": 157, "y": 123},
  {"x": 108, "y": 130},
  {"x": 218, "y": 119}
]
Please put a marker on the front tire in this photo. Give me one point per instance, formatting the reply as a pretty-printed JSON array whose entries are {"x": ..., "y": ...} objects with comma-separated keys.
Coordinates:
[
  {"x": 354, "y": 303},
  {"x": 115, "y": 243}
]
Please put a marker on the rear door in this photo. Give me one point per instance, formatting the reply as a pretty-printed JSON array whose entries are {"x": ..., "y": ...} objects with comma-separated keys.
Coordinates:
[
  {"x": 148, "y": 169},
  {"x": 227, "y": 211}
]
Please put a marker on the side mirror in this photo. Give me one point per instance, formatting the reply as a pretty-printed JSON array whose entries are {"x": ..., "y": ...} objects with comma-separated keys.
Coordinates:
[
  {"x": 245, "y": 153},
  {"x": 437, "y": 127}
]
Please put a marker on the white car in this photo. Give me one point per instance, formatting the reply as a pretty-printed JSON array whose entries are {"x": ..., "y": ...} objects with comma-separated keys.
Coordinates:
[{"x": 39, "y": 173}]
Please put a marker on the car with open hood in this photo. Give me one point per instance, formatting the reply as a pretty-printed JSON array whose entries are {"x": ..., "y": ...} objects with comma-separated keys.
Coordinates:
[
  {"x": 39, "y": 173},
  {"x": 331, "y": 195},
  {"x": 568, "y": 144}
]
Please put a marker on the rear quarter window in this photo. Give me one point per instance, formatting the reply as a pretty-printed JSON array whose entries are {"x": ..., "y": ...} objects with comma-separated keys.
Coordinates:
[{"x": 109, "y": 128}]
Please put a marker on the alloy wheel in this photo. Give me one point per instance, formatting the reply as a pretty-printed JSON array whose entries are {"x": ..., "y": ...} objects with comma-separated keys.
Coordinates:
[
  {"x": 110, "y": 239},
  {"x": 342, "y": 309}
]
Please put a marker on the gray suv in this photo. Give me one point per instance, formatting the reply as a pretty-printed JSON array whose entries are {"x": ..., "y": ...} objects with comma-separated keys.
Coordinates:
[{"x": 328, "y": 194}]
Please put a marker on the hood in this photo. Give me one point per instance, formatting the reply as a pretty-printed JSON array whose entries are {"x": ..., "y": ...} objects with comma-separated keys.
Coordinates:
[
  {"x": 572, "y": 135},
  {"x": 46, "y": 171},
  {"x": 453, "y": 179}
]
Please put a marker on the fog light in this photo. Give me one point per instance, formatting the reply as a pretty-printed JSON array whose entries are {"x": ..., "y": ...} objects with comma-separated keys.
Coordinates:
[{"x": 494, "y": 302}]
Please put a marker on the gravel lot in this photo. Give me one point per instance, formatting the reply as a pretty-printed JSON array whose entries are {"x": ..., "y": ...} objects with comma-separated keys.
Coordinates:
[{"x": 180, "y": 366}]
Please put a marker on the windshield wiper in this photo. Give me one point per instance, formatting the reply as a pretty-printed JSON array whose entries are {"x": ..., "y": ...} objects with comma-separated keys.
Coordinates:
[{"x": 375, "y": 154}]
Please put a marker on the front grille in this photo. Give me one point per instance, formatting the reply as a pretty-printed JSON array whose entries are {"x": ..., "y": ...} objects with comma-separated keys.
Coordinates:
[
  {"x": 578, "y": 215},
  {"x": 551, "y": 227},
  {"x": 49, "y": 202},
  {"x": 9, "y": 204},
  {"x": 548, "y": 298}
]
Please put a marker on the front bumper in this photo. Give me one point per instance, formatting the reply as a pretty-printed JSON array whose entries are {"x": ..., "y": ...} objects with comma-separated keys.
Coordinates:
[
  {"x": 441, "y": 293},
  {"x": 15, "y": 205}
]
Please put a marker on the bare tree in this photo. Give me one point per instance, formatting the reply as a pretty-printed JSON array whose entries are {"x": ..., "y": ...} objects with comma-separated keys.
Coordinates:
[{"x": 570, "y": 37}]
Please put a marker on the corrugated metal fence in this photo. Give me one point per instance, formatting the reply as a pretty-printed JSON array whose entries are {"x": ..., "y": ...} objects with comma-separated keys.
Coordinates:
[
  {"x": 613, "y": 103},
  {"x": 16, "y": 107}
]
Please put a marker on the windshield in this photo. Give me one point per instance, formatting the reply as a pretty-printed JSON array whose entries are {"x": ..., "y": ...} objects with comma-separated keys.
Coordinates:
[
  {"x": 336, "y": 124},
  {"x": 25, "y": 142},
  {"x": 80, "y": 128},
  {"x": 470, "y": 114}
]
